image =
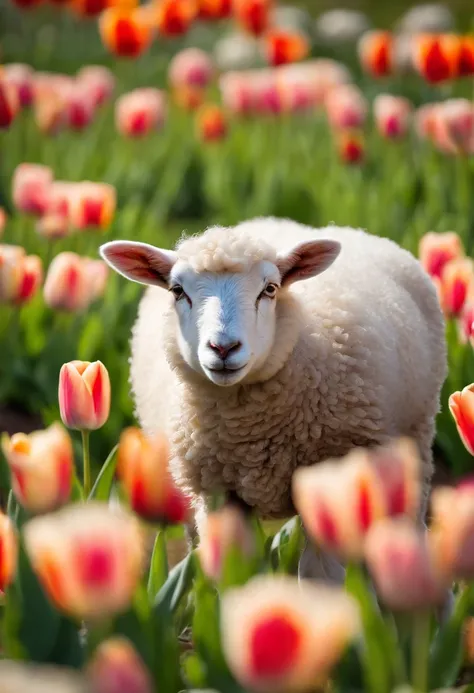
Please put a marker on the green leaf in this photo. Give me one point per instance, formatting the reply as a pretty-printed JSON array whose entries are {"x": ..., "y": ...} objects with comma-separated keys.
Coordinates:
[
  {"x": 206, "y": 629},
  {"x": 68, "y": 651},
  {"x": 194, "y": 671},
  {"x": 103, "y": 484},
  {"x": 159, "y": 565},
  {"x": 446, "y": 656},
  {"x": 287, "y": 546},
  {"x": 77, "y": 493},
  {"x": 136, "y": 625},
  {"x": 177, "y": 585}
]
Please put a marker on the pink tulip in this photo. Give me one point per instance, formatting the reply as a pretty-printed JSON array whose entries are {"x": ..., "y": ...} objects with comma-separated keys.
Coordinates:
[
  {"x": 140, "y": 111},
  {"x": 98, "y": 273},
  {"x": 9, "y": 103},
  {"x": 424, "y": 120},
  {"x": 466, "y": 322},
  {"x": 457, "y": 283},
  {"x": 79, "y": 107},
  {"x": 346, "y": 107},
  {"x": 237, "y": 93},
  {"x": 67, "y": 286},
  {"x": 53, "y": 226},
  {"x": 454, "y": 126},
  {"x": 98, "y": 81},
  {"x": 191, "y": 67},
  {"x": 392, "y": 115},
  {"x": 437, "y": 249},
  {"x": 117, "y": 668},
  {"x": 31, "y": 185},
  {"x": 60, "y": 196},
  {"x": 220, "y": 532},
  {"x": 84, "y": 395},
  {"x": 21, "y": 78}
]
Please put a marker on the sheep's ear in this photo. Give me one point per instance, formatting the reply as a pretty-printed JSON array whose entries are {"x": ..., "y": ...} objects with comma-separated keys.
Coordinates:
[
  {"x": 307, "y": 259},
  {"x": 139, "y": 262}
]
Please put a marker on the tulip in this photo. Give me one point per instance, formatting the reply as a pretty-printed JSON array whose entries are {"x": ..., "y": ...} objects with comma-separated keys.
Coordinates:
[
  {"x": 296, "y": 89},
  {"x": 281, "y": 47},
  {"x": 20, "y": 77},
  {"x": 143, "y": 467},
  {"x": 53, "y": 226},
  {"x": 59, "y": 198},
  {"x": 79, "y": 108},
  {"x": 140, "y": 111},
  {"x": 392, "y": 115},
  {"x": 116, "y": 667},
  {"x": 189, "y": 98},
  {"x": 8, "y": 552},
  {"x": 9, "y": 103},
  {"x": 436, "y": 57},
  {"x": 3, "y": 220},
  {"x": 89, "y": 8},
  {"x": 174, "y": 17},
  {"x": 253, "y": 15},
  {"x": 453, "y": 522},
  {"x": 89, "y": 558},
  {"x": 211, "y": 123},
  {"x": 453, "y": 130},
  {"x": 425, "y": 120},
  {"x": 84, "y": 395},
  {"x": 280, "y": 636},
  {"x": 237, "y": 93},
  {"x": 41, "y": 466},
  {"x": 376, "y": 53},
  {"x": 457, "y": 282},
  {"x": 461, "y": 406},
  {"x": 92, "y": 205},
  {"x": 210, "y": 10},
  {"x": 125, "y": 31},
  {"x": 30, "y": 188},
  {"x": 466, "y": 323},
  {"x": 98, "y": 273},
  {"x": 99, "y": 81},
  {"x": 437, "y": 249},
  {"x": 466, "y": 57},
  {"x": 350, "y": 146},
  {"x": 191, "y": 67},
  {"x": 220, "y": 533},
  {"x": 20, "y": 277},
  {"x": 67, "y": 285},
  {"x": 267, "y": 98},
  {"x": 27, "y": 4},
  {"x": 339, "y": 501},
  {"x": 49, "y": 110},
  {"x": 404, "y": 566},
  {"x": 346, "y": 107}
]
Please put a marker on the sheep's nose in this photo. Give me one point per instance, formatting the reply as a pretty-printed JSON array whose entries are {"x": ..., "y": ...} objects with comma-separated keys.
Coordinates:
[{"x": 224, "y": 349}]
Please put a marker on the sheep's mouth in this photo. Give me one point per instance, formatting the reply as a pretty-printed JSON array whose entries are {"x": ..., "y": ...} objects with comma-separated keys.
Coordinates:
[{"x": 226, "y": 370}]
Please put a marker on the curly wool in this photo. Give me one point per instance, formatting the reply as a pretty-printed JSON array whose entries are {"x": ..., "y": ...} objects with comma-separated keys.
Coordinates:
[{"x": 359, "y": 357}]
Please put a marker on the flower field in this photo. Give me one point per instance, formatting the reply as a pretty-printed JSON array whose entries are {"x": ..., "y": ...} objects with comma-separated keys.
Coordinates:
[{"x": 121, "y": 120}]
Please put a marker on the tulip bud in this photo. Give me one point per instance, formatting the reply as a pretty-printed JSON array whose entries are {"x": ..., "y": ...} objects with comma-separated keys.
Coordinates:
[
  {"x": 346, "y": 107},
  {"x": 117, "y": 668},
  {"x": 210, "y": 10},
  {"x": 67, "y": 285},
  {"x": 191, "y": 67},
  {"x": 41, "y": 466},
  {"x": 461, "y": 406},
  {"x": 20, "y": 77},
  {"x": 174, "y": 17},
  {"x": 84, "y": 395},
  {"x": 253, "y": 15},
  {"x": 457, "y": 282},
  {"x": 92, "y": 205},
  {"x": 350, "y": 145},
  {"x": 8, "y": 552},
  {"x": 30, "y": 188},
  {"x": 140, "y": 111},
  {"x": 89, "y": 558},
  {"x": 99, "y": 81},
  {"x": 211, "y": 123},
  {"x": 392, "y": 115},
  {"x": 376, "y": 53},
  {"x": 437, "y": 249},
  {"x": 280, "y": 636},
  {"x": 144, "y": 471},
  {"x": 125, "y": 31},
  {"x": 404, "y": 567},
  {"x": 436, "y": 56},
  {"x": 340, "y": 500},
  {"x": 220, "y": 533},
  {"x": 282, "y": 47}
]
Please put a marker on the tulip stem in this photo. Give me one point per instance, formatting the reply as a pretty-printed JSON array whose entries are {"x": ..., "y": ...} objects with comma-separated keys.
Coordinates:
[
  {"x": 86, "y": 463},
  {"x": 420, "y": 650}
]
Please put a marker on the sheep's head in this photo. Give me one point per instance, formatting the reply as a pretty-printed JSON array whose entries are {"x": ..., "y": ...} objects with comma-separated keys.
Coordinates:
[{"x": 226, "y": 291}]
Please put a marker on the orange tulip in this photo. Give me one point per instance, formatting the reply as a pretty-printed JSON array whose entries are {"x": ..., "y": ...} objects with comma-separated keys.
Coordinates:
[
  {"x": 41, "y": 466},
  {"x": 89, "y": 558},
  {"x": 350, "y": 144},
  {"x": 220, "y": 533},
  {"x": 20, "y": 77},
  {"x": 20, "y": 277},
  {"x": 340, "y": 500},
  {"x": 191, "y": 67},
  {"x": 90, "y": 8},
  {"x": 453, "y": 529},
  {"x": 92, "y": 205},
  {"x": 376, "y": 53},
  {"x": 436, "y": 56},
  {"x": 457, "y": 282},
  {"x": 404, "y": 566},
  {"x": 98, "y": 81},
  {"x": 8, "y": 552},
  {"x": 461, "y": 406},
  {"x": 144, "y": 471},
  {"x": 3, "y": 220},
  {"x": 280, "y": 636},
  {"x": 437, "y": 249},
  {"x": 174, "y": 17},
  {"x": 253, "y": 15},
  {"x": 189, "y": 98},
  {"x": 283, "y": 47},
  {"x": 31, "y": 184},
  {"x": 67, "y": 285},
  {"x": 210, "y": 10},
  {"x": 49, "y": 110},
  {"x": 125, "y": 31},
  {"x": 84, "y": 395},
  {"x": 116, "y": 667},
  {"x": 211, "y": 123},
  {"x": 140, "y": 112},
  {"x": 392, "y": 115},
  {"x": 466, "y": 57},
  {"x": 346, "y": 107}
]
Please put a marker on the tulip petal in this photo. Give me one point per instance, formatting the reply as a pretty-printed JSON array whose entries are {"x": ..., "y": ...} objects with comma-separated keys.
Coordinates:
[{"x": 74, "y": 399}]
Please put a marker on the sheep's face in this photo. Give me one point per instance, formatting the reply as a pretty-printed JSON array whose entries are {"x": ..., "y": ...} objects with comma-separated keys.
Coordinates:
[{"x": 227, "y": 319}]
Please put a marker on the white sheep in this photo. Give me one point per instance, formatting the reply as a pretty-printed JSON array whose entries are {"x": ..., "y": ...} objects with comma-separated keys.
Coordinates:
[{"x": 277, "y": 345}]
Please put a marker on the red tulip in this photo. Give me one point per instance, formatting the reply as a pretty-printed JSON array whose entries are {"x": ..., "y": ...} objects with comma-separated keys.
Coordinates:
[
  {"x": 392, "y": 115},
  {"x": 84, "y": 395},
  {"x": 174, "y": 17},
  {"x": 283, "y": 47},
  {"x": 346, "y": 107},
  {"x": 191, "y": 67},
  {"x": 90, "y": 8},
  {"x": 92, "y": 205},
  {"x": 376, "y": 53},
  {"x": 350, "y": 145},
  {"x": 457, "y": 282},
  {"x": 21, "y": 78},
  {"x": 436, "y": 56},
  {"x": 253, "y": 15},
  {"x": 8, "y": 552},
  {"x": 211, "y": 123},
  {"x": 9, "y": 102},
  {"x": 140, "y": 112},
  {"x": 210, "y": 10},
  {"x": 27, "y": 4},
  {"x": 126, "y": 31},
  {"x": 466, "y": 57},
  {"x": 79, "y": 108},
  {"x": 437, "y": 249}
]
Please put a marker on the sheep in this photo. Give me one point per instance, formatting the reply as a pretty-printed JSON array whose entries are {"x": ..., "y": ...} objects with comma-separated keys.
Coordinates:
[{"x": 278, "y": 345}]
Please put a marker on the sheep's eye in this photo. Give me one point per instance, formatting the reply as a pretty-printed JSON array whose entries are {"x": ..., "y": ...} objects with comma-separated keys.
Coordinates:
[
  {"x": 177, "y": 291},
  {"x": 270, "y": 290}
]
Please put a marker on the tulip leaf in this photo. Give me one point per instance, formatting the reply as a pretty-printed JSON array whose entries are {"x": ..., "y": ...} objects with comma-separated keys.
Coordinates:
[
  {"x": 103, "y": 484},
  {"x": 77, "y": 493},
  {"x": 68, "y": 651},
  {"x": 135, "y": 624},
  {"x": 159, "y": 565},
  {"x": 287, "y": 546},
  {"x": 194, "y": 671},
  {"x": 176, "y": 586},
  {"x": 447, "y": 650}
]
